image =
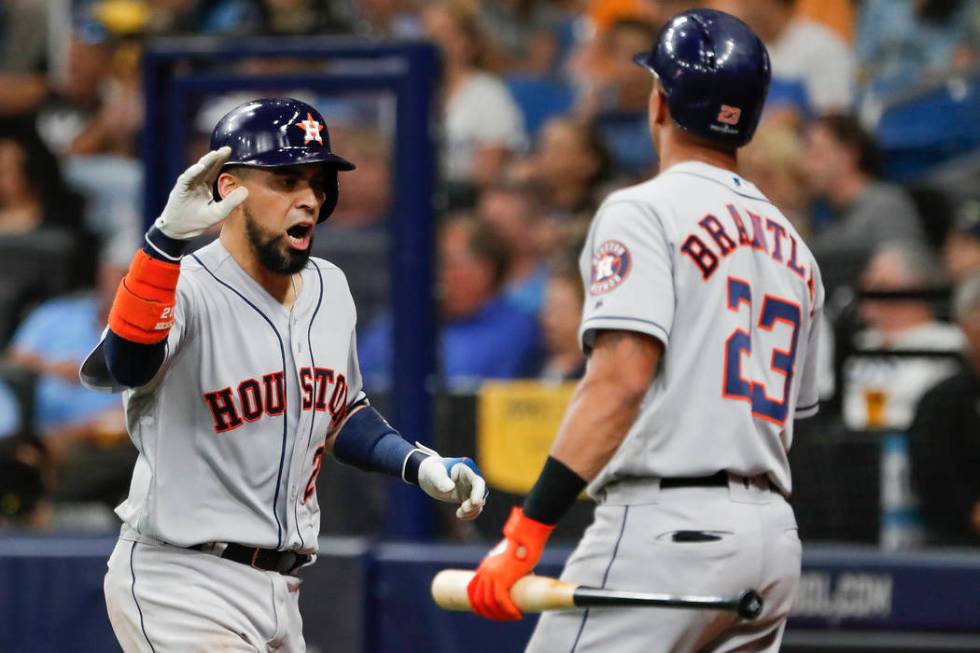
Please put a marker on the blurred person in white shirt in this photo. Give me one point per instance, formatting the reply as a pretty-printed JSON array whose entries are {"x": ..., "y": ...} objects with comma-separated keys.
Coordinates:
[
  {"x": 483, "y": 126},
  {"x": 883, "y": 392},
  {"x": 801, "y": 49}
]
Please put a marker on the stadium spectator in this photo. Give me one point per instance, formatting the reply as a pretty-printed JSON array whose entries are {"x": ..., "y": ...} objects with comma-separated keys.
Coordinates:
[
  {"x": 883, "y": 392},
  {"x": 614, "y": 82},
  {"x": 366, "y": 197},
  {"x": 93, "y": 109},
  {"x": 514, "y": 211},
  {"x": 801, "y": 50},
  {"x": 299, "y": 17},
  {"x": 961, "y": 251},
  {"x": 52, "y": 342},
  {"x": 945, "y": 439},
  {"x": 569, "y": 162},
  {"x": 773, "y": 160},
  {"x": 356, "y": 236},
  {"x": 387, "y": 19},
  {"x": 840, "y": 165},
  {"x": 523, "y": 35},
  {"x": 216, "y": 17},
  {"x": 33, "y": 194},
  {"x": 563, "y": 358},
  {"x": 904, "y": 42},
  {"x": 23, "y": 55},
  {"x": 482, "y": 335},
  {"x": 838, "y": 15},
  {"x": 483, "y": 125}
]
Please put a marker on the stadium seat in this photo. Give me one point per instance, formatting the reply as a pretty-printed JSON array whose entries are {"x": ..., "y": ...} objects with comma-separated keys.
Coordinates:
[{"x": 914, "y": 141}]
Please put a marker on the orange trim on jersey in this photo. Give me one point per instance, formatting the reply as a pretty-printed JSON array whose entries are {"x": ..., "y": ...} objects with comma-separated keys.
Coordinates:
[{"x": 143, "y": 309}]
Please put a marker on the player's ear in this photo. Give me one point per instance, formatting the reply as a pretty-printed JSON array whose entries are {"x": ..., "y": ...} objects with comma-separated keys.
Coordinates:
[{"x": 226, "y": 183}]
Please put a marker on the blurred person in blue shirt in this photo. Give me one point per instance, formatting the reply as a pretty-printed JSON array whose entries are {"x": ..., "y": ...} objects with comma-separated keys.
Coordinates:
[
  {"x": 514, "y": 211},
  {"x": 482, "y": 335},
  {"x": 53, "y": 341}
]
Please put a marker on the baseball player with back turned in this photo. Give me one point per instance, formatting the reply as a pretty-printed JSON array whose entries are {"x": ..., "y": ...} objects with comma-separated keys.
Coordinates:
[
  {"x": 241, "y": 373},
  {"x": 700, "y": 318}
]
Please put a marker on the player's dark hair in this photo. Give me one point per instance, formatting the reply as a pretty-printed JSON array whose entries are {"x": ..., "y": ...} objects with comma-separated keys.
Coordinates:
[{"x": 847, "y": 131}]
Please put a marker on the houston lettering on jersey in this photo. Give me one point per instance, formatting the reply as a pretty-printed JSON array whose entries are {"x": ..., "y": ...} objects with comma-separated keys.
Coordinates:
[
  {"x": 250, "y": 400},
  {"x": 715, "y": 241}
]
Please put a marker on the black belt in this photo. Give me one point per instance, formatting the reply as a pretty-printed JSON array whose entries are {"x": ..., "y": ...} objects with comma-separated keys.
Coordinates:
[
  {"x": 284, "y": 562},
  {"x": 718, "y": 479}
]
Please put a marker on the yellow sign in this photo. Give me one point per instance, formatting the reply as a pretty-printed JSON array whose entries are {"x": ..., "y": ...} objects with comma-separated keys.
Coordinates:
[{"x": 516, "y": 424}]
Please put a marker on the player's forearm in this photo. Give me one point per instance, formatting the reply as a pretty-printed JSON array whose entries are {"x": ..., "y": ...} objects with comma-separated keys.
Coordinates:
[
  {"x": 134, "y": 348},
  {"x": 607, "y": 401},
  {"x": 598, "y": 418},
  {"x": 602, "y": 410}
]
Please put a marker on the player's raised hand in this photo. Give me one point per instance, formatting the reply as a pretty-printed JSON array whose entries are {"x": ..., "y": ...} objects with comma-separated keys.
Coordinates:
[
  {"x": 191, "y": 209},
  {"x": 454, "y": 480}
]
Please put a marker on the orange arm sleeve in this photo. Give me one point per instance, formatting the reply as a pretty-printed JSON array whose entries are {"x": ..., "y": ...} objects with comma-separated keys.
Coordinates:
[{"x": 143, "y": 308}]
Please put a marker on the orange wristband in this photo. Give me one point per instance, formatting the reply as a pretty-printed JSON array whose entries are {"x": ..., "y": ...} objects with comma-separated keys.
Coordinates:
[{"x": 143, "y": 308}]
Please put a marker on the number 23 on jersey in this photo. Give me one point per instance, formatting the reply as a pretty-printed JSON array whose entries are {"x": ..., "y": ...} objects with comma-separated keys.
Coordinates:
[{"x": 737, "y": 384}]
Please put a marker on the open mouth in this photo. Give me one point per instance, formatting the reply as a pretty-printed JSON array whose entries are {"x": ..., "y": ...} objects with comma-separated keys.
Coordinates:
[{"x": 299, "y": 236}]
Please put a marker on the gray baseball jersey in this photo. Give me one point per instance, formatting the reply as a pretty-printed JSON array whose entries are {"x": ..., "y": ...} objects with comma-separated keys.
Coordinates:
[
  {"x": 230, "y": 431},
  {"x": 699, "y": 259}
]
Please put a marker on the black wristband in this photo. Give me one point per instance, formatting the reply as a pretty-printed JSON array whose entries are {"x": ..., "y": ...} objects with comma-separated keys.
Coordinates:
[
  {"x": 161, "y": 246},
  {"x": 412, "y": 466},
  {"x": 554, "y": 492}
]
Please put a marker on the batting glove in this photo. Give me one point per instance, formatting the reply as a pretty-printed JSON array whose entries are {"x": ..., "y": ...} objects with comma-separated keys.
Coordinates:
[
  {"x": 513, "y": 558},
  {"x": 453, "y": 480},
  {"x": 191, "y": 209}
]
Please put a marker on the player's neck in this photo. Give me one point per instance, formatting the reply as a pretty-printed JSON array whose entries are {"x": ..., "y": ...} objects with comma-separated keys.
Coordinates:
[{"x": 677, "y": 150}]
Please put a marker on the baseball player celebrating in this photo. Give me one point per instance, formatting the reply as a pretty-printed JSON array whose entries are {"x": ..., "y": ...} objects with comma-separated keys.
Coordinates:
[
  {"x": 701, "y": 312},
  {"x": 241, "y": 373}
]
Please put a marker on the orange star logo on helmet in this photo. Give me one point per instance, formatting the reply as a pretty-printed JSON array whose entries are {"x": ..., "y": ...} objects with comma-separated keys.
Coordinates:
[{"x": 312, "y": 128}]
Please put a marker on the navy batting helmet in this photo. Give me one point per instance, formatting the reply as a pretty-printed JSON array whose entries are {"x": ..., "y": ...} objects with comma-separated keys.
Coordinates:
[
  {"x": 275, "y": 132},
  {"x": 715, "y": 73}
]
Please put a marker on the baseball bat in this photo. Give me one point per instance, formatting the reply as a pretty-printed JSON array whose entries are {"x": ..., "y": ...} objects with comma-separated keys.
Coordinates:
[{"x": 539, "y": 593}]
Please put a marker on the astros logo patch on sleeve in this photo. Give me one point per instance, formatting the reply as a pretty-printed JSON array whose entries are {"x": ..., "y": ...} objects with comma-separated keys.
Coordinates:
[{"x": 610, "y": 266}]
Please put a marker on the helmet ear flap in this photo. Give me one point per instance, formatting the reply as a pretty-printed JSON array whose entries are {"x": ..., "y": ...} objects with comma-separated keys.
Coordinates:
[{"x": 331, "y": 188}]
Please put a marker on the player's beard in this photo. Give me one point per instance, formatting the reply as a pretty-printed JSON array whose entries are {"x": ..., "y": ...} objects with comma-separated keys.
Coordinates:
[{"x": 272, "y": 251}]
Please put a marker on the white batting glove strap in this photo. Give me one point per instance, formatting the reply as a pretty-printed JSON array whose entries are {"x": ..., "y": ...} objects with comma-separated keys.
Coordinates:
[
  {"x": 451, "y": 480},
  {"x": 191, "y": 209}
]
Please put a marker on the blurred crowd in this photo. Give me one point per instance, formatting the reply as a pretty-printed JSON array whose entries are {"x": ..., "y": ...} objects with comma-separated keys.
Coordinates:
[{"x": 870, "y": 144}]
